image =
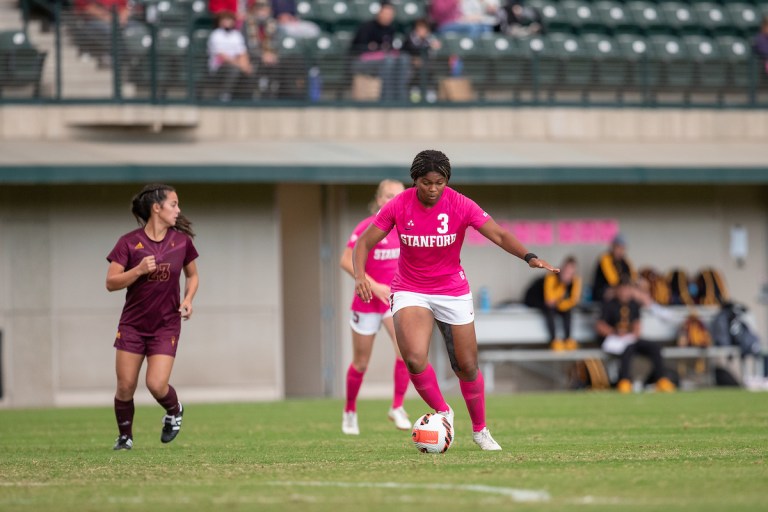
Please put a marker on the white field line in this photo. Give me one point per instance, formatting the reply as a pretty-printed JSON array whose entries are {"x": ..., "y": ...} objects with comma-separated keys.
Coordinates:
[{"x": 518, "y": 495}]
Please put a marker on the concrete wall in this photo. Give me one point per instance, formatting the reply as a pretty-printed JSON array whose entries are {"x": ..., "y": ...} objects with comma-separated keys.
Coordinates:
[
  {"x": 428, "y": 124},
  {"x": 271, "y": 317},
  {"x": 59, "y": 320}
]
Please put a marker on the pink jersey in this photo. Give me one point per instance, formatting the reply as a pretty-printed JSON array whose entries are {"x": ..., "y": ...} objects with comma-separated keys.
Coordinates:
[
  {"x": 380, "y": 265},
  {"x": 430, "y": 241}
]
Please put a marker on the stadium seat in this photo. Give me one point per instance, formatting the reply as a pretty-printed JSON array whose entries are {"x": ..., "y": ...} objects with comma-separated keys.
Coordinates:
[
  {"x": 613, "y": 14},
  {"x": 545, "y": 61},
  {"x": 21, "y": 64},
  {"x": 509, "y": 64},
  {"x": 611, "y": 67},
  {"x": 643, "y": 72},
  {"x": 335, "y": 15},
  {"x": 647, "y": 16},
  {"x": 176, "y": 13},
  {"x": 738, "y": 54},
  {"x": 475, "y": 60},
  {"x": 136, "y": 45},
  {"x": 581, "y": 14},
  {"x": 409, "y": 11},
  {"x": 680, "y": 17},
  {"x": 329, "y": 54},
  {"x": 577, "y": 63},
  {"x": 713, "y": 17},
  {"x": 745, "y": 17},
  {"x": 552, "y": 15},
  {"x": 677, "y": 64},
  {"x": 711, "y": 67}
]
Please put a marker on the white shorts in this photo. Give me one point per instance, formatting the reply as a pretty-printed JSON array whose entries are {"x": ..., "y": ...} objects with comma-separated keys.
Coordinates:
[
  {"x": 367, "y": 323},
  {"x": 445, "y": 308}
]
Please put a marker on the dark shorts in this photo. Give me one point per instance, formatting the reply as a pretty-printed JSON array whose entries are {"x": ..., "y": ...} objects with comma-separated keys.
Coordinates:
[{"x": 160, "y": 343}]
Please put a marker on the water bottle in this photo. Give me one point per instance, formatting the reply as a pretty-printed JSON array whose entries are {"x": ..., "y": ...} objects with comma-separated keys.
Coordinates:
[
  {"x": 485, "y": 299},
  {"x": 457, "y": 66},
  {"x": 315, "y": 84}
]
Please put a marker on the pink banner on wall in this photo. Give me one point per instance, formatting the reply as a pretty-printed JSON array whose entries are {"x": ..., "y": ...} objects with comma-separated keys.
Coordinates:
[{"x": 560, "y": 232}]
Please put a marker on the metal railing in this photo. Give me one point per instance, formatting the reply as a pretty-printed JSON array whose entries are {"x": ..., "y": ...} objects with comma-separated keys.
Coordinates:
[{"x": 162, "y": 58}]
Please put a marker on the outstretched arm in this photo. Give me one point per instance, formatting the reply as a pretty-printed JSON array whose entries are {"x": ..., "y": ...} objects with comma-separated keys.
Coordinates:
[
  {"x": 370, "y": 237},
  {"x": 507, "y": 241}
]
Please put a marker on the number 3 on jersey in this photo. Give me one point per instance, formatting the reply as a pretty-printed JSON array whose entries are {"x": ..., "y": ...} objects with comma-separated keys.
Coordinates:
[{"x": 443, "y": 218}]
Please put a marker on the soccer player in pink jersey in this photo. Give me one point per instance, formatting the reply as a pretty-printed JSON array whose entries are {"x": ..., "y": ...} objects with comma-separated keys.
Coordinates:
[
  {"x": 368, "y": 317},
  {"x": 148, "y": 262},
  {"x": 430, "y": 286}
]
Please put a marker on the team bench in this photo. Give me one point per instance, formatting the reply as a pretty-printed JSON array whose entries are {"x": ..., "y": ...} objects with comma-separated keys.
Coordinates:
[{"x": 517, "y": 334}]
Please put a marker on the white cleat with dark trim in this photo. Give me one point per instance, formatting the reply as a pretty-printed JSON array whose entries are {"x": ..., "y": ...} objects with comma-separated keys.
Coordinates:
[
  {"x": 484, "y": 440},
  {"x": 349, "y": 424},
  {"x": 400, "y": 418}
]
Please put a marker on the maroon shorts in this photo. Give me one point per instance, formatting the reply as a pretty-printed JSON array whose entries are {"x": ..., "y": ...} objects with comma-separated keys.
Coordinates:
[{"x": 160, "y": 343}]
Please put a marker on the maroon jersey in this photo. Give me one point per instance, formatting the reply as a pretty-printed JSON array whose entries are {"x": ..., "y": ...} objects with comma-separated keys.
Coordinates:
[{"x": 152, "y": 302}]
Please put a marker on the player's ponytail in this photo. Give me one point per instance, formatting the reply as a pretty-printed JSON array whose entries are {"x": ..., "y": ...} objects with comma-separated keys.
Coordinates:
[
  {"x": 430, "y": 160},
  {"x": 141, "y": 207}
]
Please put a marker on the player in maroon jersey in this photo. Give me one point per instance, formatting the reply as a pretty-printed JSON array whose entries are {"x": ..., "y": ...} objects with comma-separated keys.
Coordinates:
[{"x": 148, "y": 262}]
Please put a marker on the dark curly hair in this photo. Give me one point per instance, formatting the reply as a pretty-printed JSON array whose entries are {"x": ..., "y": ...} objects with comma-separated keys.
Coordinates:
[{"x": 430, "y": 160}]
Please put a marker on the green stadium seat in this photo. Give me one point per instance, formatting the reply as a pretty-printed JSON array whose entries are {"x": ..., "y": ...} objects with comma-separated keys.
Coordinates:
[
  {"x": 509, "y": 63},
  {"x": 613, "y": 14},
  {"x": 647, "y": 16},
  {"x": 329, "y": 54},
  {"x": 21, "y": 64},
  {"x": 611, "y": 66},
  {"x": 681, "y": 17},
  {"x": 576, "y": 63},
  {"x": 545, "y": 60},
  {"x": 744, "y": 16},
  {"x": 409, "y": 11},
  {"x": 737, "y": 53},
  {"x": 713, "y": 17},
  {"x": 677, "y": 63},
  {"x": 475, "y": 61},
  {"x": 552, "y": 15},
  {"x": 306, "y": 10},
  {"x": 711, "y": 67},
  {"x": 643, "y": 71},
  {"x": 177, "y": 13},
  {"x": 581, "y": 14},
  {"x": 333, "y": 15},
  {"x": 136, "y": 44}
]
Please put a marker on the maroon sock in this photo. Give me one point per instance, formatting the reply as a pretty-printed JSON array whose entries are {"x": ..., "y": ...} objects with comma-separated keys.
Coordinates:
[
  {"x": 124, "y": 416},
  {"x": 170, "y": 402}
]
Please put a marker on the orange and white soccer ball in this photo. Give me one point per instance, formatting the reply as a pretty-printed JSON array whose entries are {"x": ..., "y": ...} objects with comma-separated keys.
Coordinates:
[{"x": 432, "y": 433}]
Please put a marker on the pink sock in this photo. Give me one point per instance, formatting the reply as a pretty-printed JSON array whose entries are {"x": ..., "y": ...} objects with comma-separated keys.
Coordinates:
[
  {"x": 426, "y": 384},
  {"x": 474, "y": 396},
  {"x": 401, "y": 383},
  {"x": 354, "y": 381}
]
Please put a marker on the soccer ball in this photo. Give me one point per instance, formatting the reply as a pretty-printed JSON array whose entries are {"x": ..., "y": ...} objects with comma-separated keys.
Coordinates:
[{"x": 432, "y": 433}]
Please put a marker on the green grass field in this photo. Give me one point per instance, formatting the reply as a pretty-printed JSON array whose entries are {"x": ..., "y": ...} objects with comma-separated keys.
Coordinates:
[{"x": 568, "y": 451}]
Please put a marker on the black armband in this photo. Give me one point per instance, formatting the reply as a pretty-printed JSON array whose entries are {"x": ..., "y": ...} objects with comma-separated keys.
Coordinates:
[{"x": 528, "y": 257}]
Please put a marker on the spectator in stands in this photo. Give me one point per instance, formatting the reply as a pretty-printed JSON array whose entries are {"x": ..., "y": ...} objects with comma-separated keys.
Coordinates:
[
  {"x": 228, "y": 60},
  {"x": 94, "y": 26},
  {"x": 519, "y": 20},
  {"x": 374, "y": 54},
  {"x": 472, "y": 18},
  {"x": 421, "y": 44},
  {"x": 611, "y": 266},
  {"x": 262, "y": 32},
  {"x": 619, "y": 326},
  {"x": 760, "y": 44},
  {"x": 556, "y": 295},
  {"x": 286, "y": 14}
]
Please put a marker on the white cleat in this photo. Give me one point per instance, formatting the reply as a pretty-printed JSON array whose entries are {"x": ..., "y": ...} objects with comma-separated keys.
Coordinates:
[
  {"x": 449, "y": 416},
  {"x": 400, "y": 417},
  {"x": 349, "y": 424},
  {"x": 484, "y": 440}
]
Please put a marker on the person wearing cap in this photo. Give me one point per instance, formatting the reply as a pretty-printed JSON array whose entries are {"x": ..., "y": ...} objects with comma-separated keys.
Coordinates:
[
  {"x": 619, "y": 328},
  {"x": 612, "y": 265}
]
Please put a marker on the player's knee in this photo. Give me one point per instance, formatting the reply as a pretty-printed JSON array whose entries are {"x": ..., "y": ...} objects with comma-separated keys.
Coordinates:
[
  {"x": 125, "y": 389},
  {"x": 415, "y": 364},
  {"x": 158, "y": 387},
  {"x": 360, "y": 366},
  {"x": 468, "y": 373}
]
